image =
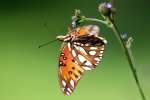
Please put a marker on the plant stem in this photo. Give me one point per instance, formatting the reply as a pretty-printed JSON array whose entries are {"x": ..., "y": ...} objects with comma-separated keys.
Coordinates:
[
  {"x": 95, "y": 20},
  {"x": 126, "y": 49},
  {"x": 130, "y": 59}
]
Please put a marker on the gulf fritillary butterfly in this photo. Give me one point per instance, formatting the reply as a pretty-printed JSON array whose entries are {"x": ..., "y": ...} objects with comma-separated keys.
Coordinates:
[{"x": 82, "y": 50}]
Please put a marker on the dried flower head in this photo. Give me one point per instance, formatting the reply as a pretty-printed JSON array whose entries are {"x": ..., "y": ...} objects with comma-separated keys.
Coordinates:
[{"x": 106, "y": 9}]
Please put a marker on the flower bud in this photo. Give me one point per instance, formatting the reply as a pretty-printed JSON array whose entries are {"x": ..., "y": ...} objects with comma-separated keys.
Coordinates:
[
  {"x": 105, "y": 8},
  {"x": 124, "y": 36}
]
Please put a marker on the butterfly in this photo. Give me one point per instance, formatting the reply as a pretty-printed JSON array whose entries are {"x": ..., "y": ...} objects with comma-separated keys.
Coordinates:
[{"x": 81, "y": 50}]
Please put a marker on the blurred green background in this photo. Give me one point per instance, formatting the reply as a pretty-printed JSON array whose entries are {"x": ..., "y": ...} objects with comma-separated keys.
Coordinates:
[{"x": 29, "y": 73}]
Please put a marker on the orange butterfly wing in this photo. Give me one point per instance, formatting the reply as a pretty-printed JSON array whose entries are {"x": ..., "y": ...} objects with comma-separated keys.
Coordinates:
[{"x": 69, "y": 70}]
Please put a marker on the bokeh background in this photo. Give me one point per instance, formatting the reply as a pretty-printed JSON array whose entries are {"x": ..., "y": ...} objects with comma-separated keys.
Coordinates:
[{"x": 30, "y": 73}]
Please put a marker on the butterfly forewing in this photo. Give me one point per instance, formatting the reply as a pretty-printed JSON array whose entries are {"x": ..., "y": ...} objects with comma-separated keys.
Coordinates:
[{"x": 69, "y": 70}]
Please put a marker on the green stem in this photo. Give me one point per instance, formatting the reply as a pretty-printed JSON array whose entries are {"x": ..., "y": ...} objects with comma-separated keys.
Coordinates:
[
  {"x": 126, "y": 49},
  {"x": 95, "y": 20},
  {"x": 130, "y": 59}
]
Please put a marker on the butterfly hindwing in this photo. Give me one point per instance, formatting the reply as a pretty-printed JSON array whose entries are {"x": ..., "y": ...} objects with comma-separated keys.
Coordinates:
[
  {"x": 69, "y": 70},
  {"x": 89, "y": 50}
]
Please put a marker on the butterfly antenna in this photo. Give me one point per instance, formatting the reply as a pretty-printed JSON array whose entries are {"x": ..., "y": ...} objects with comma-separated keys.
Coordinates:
[
  {"x": 45, "y": 24},
  {"x": 42, "y": 45}
]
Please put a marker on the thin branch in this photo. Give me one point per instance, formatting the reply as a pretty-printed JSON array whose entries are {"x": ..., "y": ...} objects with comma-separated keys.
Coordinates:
[
  {"x": 130, "y": 59},
  {"x": 95, "y": 20}
]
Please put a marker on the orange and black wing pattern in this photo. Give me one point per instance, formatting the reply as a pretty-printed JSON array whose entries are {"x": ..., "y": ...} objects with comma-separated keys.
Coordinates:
[
  {"x": 70, "y": 71},
  {"x": 88, "y": 51},
  {"x": 82, "y": 53}
]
